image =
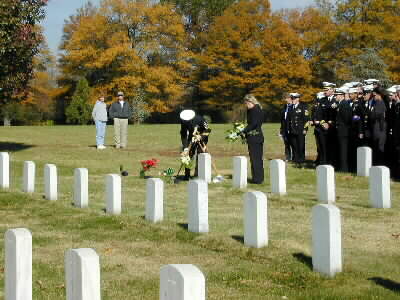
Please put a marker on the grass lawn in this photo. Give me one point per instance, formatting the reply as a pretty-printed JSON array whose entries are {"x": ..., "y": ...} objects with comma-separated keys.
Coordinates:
[{"x": 132, "y": 251}]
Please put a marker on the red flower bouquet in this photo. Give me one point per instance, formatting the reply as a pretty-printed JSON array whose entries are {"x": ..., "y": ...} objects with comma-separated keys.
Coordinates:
[{"x": 147, "y": 165}]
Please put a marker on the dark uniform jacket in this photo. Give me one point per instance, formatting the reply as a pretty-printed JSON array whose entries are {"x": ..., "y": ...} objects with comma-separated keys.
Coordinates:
[
  {"x": 357, "y": 123},
  {"x": 284, "y": 115},
  {"x": 253, "y": 131},
  {"x": 396, "y": 125},
  {"x": 188, "y": 127},
  {"x": 377, "y": 118},
  {"x": 116, "y": 111},
  {"x": 321, "y": 112},
  {"x": 343, "y": 118},
  {"x": 298, "y": 118}
]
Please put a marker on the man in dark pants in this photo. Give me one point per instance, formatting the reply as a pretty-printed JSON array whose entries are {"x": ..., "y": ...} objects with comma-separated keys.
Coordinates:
[
  {"x": 396, "y": 135},
  {"x": 298, "y": 118},
  {"x": 329, "y": 89},
  {"x": 194, "y": 136},
  {"x": 320, "y": 118},
  {"x": 357, "y": 128},
  {"x": 343, "y": 124},
  {"x": 284, "y": 128}
]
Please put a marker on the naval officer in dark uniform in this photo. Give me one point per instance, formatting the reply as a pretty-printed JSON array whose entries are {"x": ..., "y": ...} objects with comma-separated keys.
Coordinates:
[
  {"x": 255, "y": 138},
  {"x": 284, "y": 133},
  {"x": 192, "y": 127},
  {"x": 298, "y": 118},
  {"x": 343, "y": 125}
]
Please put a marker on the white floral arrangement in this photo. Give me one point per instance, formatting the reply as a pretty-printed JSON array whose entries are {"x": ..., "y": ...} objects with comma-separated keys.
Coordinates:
[{"x": 236, "y": 133}]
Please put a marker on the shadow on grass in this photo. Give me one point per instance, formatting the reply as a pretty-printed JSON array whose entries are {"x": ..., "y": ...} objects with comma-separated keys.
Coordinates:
[
  {"x": 305, "y": 259},
  {"x": 386, "y": 283},
  {"x": 184, "y": 226},
  {"x": 238, "y": 238},
  {"x": 13, "y": 147}
]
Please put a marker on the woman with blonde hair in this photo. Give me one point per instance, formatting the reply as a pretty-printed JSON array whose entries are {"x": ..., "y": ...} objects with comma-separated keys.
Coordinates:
[{"x": 255, "y": 137}]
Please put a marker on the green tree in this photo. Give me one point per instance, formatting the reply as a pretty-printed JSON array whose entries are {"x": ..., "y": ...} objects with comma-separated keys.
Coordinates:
[
  {"x": 79, "y": 110},
  {"x": 369, "y": 64},
  {"x": 19, "y": 43}
]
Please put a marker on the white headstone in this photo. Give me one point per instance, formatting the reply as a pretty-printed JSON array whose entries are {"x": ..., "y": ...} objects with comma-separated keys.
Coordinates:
[
  {"x": 326, "y": 239},
  {"x": 18, "y": 266},
  {"x": 205, "y": 167},
  {"x": 239, "y": 172},
  {"x": 81, "y": 187},
  {"x": 182, "y": 282},
  {"x": 50, "y": 182},
  {"x": 154, "y": 200},
  {"x": 278, "y": 176},
  {"x": 28, "y": 181},
  {"x": 198, "y": 206},
  {"x": 113, "y": 194},
  {"x": 82, "y": 274},
  {"x": 326, "y": 183},
  {"x": 379, "y": 187},
  {"x": 4, "y": 170},
  {"x": 364, "y": 161},
  {"x": 255, "y": 220}
]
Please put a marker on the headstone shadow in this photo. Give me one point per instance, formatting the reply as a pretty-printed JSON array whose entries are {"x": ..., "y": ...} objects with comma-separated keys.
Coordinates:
[
  {"x": 184, "y": 226},
  {"x": 305, "y": 259},
  {"x": 386, "y": 283},
  {"x": 238, "y": 238},
  {"x": 14, "y": 147}
]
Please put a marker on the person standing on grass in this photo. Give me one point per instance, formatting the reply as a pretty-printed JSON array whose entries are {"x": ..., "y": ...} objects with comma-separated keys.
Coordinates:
[
  {"x": 99, "y": 115},
  {"x": 284, "y": 133},
  {"x": 255, "y": 138},
  {"x": 120, "y": 111}
]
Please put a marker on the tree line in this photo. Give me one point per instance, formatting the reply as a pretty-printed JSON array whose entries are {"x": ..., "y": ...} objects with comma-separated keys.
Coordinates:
[{"x": 170, "y": 54}]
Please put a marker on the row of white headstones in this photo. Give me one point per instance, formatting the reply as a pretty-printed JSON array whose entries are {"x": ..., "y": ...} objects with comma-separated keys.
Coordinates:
[{"x": 82, "y": 264}]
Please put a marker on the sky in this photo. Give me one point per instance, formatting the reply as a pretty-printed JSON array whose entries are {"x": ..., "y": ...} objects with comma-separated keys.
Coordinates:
[{"x": 59, "y": 10}]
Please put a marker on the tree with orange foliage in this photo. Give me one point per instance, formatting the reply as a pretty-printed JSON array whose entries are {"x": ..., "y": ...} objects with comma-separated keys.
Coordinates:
[
  {"x": 131, "y": 46},
  {"x": 250, "y": 50}
]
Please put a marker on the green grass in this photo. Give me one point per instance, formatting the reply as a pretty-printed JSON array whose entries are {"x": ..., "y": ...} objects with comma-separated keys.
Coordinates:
[{"x": 132, "y": 250}]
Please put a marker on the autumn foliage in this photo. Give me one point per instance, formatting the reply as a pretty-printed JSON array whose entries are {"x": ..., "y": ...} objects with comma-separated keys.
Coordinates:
[{"x": 209, "y": 54}]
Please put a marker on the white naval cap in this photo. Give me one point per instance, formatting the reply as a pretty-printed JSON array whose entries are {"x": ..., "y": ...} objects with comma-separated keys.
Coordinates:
[
  {"x": 391, "y": 90},
  {"x": 328, "y": 85},
  {"x": 353, "y": 90},
  {"x": 295, "y": 95},
  {"x": 187, "y": 115},
  {"x": 368, "y": 88},
  {"x": 371, "y": 81}
]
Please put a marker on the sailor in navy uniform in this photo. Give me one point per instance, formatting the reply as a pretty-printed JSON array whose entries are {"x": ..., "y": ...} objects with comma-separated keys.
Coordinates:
[
  {"x": 298, "y": 121},
  {"x": 194, "y": 136}
]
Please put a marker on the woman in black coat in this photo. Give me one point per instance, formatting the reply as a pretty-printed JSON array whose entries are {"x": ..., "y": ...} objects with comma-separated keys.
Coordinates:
[{"x": 255, "y": 138}]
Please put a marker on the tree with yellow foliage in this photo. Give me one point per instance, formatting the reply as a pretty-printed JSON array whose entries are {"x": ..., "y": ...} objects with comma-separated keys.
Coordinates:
[
  {"x": 250, "y": 50},
  {"x": 131, "y": 46}
]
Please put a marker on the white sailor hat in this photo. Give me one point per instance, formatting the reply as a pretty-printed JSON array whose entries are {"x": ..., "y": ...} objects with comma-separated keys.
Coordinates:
[
  {"x": 397, "y": 87},
  {"x": 120, "y": 93},
  {"x": 355, "y": 84},
  {"x": 371, "y": 81},
  {"x": 328, "y": 85},
  {"x": 295, "y": 95},
  {"x": 341, "y": 91},
  {"x": 187, "y": 115},
  {"x": 353, "y": 90},
  {"x": 392, "y": 90},
  {"x": 345, "y": 89},
  {"x": 368, "y": 88}
]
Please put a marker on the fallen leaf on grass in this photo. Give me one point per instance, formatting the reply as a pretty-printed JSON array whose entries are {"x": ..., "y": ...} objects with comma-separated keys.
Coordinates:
[
  {"x": 40, "y": 283},
  {"x": 61, "y": 286},
  {"x": 396, "y": 236},
  {"x": 108, "y": 251}
]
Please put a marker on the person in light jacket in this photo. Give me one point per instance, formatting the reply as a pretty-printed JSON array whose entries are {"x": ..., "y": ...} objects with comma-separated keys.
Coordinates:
[{"x": 99, "y": 115}]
